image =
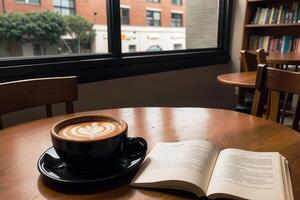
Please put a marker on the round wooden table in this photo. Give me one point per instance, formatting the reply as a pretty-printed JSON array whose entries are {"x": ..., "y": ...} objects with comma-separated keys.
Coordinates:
[
  {"x": 247, "y": 79},
  {"x": 239, "y": 79},
  {"x": 21, "y": 146},
  {"x": 284, "y": 58}
]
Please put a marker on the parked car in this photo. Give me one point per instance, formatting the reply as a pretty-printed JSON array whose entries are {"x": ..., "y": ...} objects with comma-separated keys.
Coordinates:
[{"x": 154, "y": 48}]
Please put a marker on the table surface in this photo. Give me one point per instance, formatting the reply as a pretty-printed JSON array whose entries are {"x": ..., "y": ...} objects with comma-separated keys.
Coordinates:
[
  {"x": 284, "y": 58},
  {"x": 21, "y": 146},
  {"x": 247, "y": 79},
  {"x": 239, "y": 79}
]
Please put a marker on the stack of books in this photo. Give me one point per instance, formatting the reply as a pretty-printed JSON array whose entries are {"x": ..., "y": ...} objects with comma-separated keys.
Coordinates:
[
  {"x": 277, "y": 15},
  {"x": 283, "y": 44}
]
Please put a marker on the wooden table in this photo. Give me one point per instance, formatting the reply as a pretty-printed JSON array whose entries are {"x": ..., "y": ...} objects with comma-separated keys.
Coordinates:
[
  {"x": 284, "y": 58},
  {"x": 243, "y": 80},
  {"x": 21, "y": 146},
  {"x": 239, "y": 79},
  {"x": 247, "y": 79}
]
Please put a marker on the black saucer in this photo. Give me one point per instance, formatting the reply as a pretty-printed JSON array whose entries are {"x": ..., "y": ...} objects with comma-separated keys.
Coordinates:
[{"x": 65, "y": 175}]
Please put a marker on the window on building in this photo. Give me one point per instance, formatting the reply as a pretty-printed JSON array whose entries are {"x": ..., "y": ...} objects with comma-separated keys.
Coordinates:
[
  {"x": 153, "y": 18},
  {"x": 177, "y": 2},
  {"x": 132, "y": 48},
  {"x": 124, "y": 16},
  {"x": 64, "y": 7},
  {"x": 177, "y": 46},
  {"x": 176, "y": 19},
  {"x": 154, "y": 1},
  {"x": 29, "y": 1}
]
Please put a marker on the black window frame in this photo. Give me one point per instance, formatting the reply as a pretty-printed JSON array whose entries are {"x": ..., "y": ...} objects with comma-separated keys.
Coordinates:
[
  {"x": 176, "y": 2},
  {"x": 153, "y": 1},
  {"x": 115, "y": 64},
  {"x": 60, "y": 7},
  {"x": 152, "y": 21},
  {"x": 175, "y": 21}
]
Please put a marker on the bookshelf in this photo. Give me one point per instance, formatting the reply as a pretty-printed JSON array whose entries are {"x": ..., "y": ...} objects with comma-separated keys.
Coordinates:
[{"x": 273, "y": 25}]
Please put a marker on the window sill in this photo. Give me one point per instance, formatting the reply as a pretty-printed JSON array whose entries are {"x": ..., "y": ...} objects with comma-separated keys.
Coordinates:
[
  {"x": 90, "y": 70},
  {"x": 29, "y": 4}
]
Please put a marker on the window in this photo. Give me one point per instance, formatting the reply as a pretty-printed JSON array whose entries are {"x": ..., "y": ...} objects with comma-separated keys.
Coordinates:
[
  {"x": 125, "y": 16},
  {"x": 177, "y": 2},
  {"x": 153, "y": 18},
  {"x": 128, "y": 43},
  {"x": 154, "y": 1},
  {"x": 177, "y": 46},
  {"x": 132, "y": 48},
  {"x": 176, "y": 19},
  {"x": 29, "y": 1},
  {"x": 64, "y": 7}
]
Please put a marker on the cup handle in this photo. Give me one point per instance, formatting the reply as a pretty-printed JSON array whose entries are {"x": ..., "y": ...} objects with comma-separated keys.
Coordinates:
[{"x": 131, "y": 144}]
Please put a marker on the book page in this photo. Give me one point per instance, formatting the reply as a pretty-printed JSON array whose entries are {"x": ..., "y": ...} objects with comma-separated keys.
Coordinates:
[
  {"x": 286, "y": 179},
  {"x": 178, "y": 165},
  {"x": 248, "y": 175}
]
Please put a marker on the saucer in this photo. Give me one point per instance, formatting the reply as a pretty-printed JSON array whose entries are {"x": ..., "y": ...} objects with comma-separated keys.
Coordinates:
[{"x": 65, "y": 175}]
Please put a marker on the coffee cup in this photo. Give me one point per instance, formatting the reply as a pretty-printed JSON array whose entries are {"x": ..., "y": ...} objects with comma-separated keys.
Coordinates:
[{"x": 93, "y": 142}]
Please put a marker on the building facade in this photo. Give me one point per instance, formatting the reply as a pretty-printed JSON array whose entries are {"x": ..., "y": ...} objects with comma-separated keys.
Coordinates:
[{"x": 147, "y": 25}]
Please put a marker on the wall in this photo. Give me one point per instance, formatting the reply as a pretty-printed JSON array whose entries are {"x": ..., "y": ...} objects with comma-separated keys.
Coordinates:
[
  {"x": 191, "y": 87},
  {"x": 142, "y": 37},
  {"x": 239, "y": 7}
]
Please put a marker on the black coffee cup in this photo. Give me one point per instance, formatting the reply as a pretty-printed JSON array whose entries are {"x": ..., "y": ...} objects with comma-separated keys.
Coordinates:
[{"x": 85, "y": 152}]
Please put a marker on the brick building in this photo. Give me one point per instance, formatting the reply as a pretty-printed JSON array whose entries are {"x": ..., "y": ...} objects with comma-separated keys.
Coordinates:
[
  {"x": 165, "y": 17},
  {"x": 95, "y": 10}
]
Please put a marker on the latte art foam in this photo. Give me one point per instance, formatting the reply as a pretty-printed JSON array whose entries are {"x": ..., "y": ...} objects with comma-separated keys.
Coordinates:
[{"x": 90, "y": 130}]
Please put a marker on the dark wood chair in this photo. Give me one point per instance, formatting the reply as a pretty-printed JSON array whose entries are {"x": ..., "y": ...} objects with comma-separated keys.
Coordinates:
[
  {"x": 261, "y": 56},
  {"x": 285, "y": 97},
  {"x": 277, "y": 81},
  {"x": 22, "y": 94},
  {"x": 248, "y": 63}
]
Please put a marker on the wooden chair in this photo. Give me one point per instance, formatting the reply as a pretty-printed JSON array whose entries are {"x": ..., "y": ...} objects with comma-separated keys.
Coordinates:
[
  {"x": 248, "y": 63},
  {"x": 285, "y": 97},
  {"x": 22, "y": 94},
  {"x": 277, "y": 81},
  {"x": 261, "y": 56}
]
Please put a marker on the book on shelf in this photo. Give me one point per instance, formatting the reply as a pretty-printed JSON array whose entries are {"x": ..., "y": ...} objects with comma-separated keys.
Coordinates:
[
  {"x": 199, "y": 167},
  {"x": 283, "y": 44},
  {"x": 282, "y": 14}
]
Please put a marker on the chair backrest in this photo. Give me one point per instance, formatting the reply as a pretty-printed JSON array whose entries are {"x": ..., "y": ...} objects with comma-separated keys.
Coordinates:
[
  {"x": 22, "y": 94},
  {"x": 261, "y": 56},
  {"x": 277, "y": 81},
  {"x": 249, "y": 62}
]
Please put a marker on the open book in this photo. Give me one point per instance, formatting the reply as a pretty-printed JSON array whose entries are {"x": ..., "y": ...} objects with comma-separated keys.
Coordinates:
[{"x": 199, "y": 167}]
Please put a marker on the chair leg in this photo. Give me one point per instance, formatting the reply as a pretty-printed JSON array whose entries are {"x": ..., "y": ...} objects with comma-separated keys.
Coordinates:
[
  {"x": 1, "y": 124},
  {"x": 274, "y": 106},
  {"x": 49, "y": 110},
  {"x": 69, "y": 107},
  {"x": 287, "y": 97},
  {"x": 296, "y": 117},
  {"x": 241, "y": 96}
]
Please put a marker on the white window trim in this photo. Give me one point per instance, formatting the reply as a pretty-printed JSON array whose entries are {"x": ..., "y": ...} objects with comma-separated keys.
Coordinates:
[
  {"x": 177, "y": 11},
  {"x": 27, "y": 2},
  {"x": 154, "y": 9},
  {"x": 125, "y": 6}
]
